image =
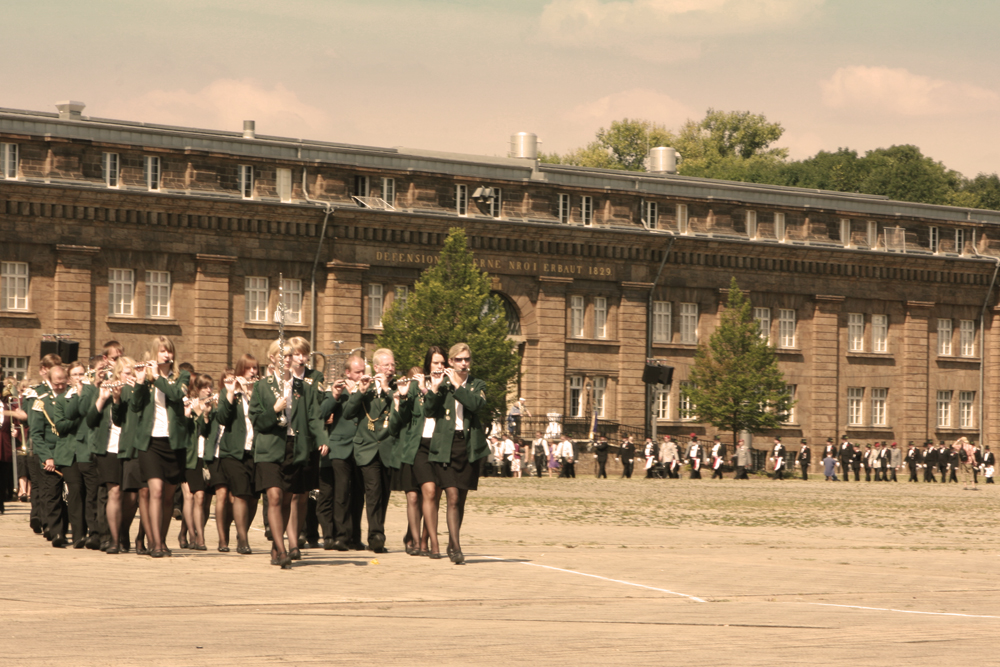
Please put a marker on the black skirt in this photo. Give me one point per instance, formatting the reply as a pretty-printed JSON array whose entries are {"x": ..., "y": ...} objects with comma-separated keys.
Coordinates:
[
  {"x": 215, "y": 476},
  {"x": 459, "y": 473},
  {"x": 109, "y": 469},
  {"x": 423, "y": 470},
  {"x": 161, "y": 462},
  {"x": 310, "y": 472},
  {"x": 285, "y": 475},
  {"x": 132, "y": 475},
  {"x": 238, "y": 474},
  {"x": 195, "y": 477}
]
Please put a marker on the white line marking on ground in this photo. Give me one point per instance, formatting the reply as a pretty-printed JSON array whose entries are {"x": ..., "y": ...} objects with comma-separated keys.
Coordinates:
[
  {"x": 595, "y": 576},
  {"x": 902, "y": 611}
]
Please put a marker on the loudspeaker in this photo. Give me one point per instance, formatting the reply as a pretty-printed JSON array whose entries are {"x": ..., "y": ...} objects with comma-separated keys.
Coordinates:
[
  {"x": 658, "y": 374},
  {"x": 68, "y": 350}
]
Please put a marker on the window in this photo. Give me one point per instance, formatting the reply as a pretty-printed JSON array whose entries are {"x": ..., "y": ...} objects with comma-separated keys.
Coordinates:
[
  {"x": 944, "y": 337},
  {"x": 157, "y": 294},
  {"x": 283, "y": 184},
  {"x": 375, "y": 306},
  {"x": 121, "y": 288},
  {"x": 935, "y": 240},
  {"x": 763, "y": 318},
  {"x": 496, "y": 203},
  {"x": 967, "y": 338},
  {"x": 14, "y": 367},
  {"x": 291, "y": 289},
  {"x": 246, "y": 180},
  {"x": 256, "y": 298},
  {"x": 966, "y": 418},
  {"x": 8, "y": 163},
  {"x": 872, "y": 234},
  {"x": 855, "y": 398},
  {"x": 855, "y": 332},
  {"x": 880, "y": 333},
  {"x": 879, "y": 411},
  {"x": 650, "y": 213},
  {"x": 600, "y": 387},
  {"x": 682, "y": 218},
  {"x": 564, "y": 208},
  {"x": 400, "y": 295},
  {"x": 779, "y": 226},
  {"x": 689, "y": 323},
  {"x": 786, "y": 328},
  {"x": 661, "y": 322},
  {"x": 662, "y": 402},
  {"x": 845, "y": 232},
  {"x": 151, "y": 166},
  {"x": 14, "y": 286},
  {"x": 109, "y": 163},
  {"x": 600, "y": 317},
  {"x": 587, "y": 211},
  {"x": 944, "y": 409},
  {"x": 751, "y": 222},
  {"x": 959, "y": 241},
  {"x": 360, "y": 186},
  {"x": 576, "y": 396},
  {"x": 576, "y": 316},
  {"x": 686, "y": 409},
  {"x": 790, "y": 415},
  {"x": 389, "y": 191},
  {"x": 462, "y": 199}
]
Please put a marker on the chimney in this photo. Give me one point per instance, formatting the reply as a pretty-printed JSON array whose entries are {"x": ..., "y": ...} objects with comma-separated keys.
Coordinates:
[
  {"x": 249, "y": 129},
  {"x": 70, "y": 109}
]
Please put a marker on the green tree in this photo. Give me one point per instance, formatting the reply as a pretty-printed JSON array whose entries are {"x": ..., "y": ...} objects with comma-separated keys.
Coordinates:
[
  {"x": 623, "y": 145},
  {"x": 451, "y": 303},
  {"x": 735, "y": 383}
]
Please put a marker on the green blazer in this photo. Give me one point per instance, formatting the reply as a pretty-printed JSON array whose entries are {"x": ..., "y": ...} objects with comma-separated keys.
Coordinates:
[
  {"x": 441, "y": 406},
  {"x": 231, "y": 416},
  {"x": 71, "y": 422},
  {"x": 128, "y": 421},
  {"x": 174, "y": 390},
  {"x": 99, "y": 425},
  {"x": 373, "y": 436},
  {"x": 212, "y": 435},
  {"x": 343, "y": 429},
  {"x": 195, "y": 427},
  {"x": 42, "y": 426},
  {"x": 407, "y": 425},
  {"x": 306, "y": 425}
]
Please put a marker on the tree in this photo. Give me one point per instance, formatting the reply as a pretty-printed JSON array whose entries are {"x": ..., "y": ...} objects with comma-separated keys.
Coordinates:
[
  {"x": 735, "y": 383},
  {"x": 451, "y": 303},
  {"x": 624, "y": 145}
]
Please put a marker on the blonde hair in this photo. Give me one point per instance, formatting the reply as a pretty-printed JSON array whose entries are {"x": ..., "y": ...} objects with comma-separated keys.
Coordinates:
[
  {"x": 381, "y": 354},
  {"x": 121, "y": 363},
  {"x": 156, "y": 344},
  {"x": 275, "y": 347},
  {"x": 457, "y": 349},
  {"x": 299, "y": 345}
]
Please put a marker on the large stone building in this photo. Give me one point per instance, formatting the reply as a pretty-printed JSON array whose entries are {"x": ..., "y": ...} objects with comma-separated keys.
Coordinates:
[{"x": 881, "y": 312}]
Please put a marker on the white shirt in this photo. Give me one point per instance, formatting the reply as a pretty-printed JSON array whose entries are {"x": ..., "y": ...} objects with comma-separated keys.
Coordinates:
[
  {"x": 459, "y": 412},
  {"x": 428, "y": 431},
  {"x": 565, "y": 449},
  {"x": 161, "y": 424},
  {"x": 541, "y": 445},
  {"x": 201, "y": 446},
  {"x": 248, "y": 444},
  {"x": 218, "y": 440},
  {"x": 116, "y": 432}
]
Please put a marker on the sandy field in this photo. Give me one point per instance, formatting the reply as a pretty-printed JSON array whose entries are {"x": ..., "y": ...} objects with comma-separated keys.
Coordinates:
[{"x": 560, "y": 572}]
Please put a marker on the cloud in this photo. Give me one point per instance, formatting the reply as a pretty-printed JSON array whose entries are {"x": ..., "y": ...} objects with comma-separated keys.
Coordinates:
[
  {"x": 663, "y": 30},
  {"x": 224, "y": 104},
  {"x": 898, "y": 91},
  {"x": 635, "y": 103}
]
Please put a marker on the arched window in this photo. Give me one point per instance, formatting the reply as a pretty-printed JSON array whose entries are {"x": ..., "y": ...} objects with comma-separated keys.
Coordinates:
[{"x": 510, "y": 312}]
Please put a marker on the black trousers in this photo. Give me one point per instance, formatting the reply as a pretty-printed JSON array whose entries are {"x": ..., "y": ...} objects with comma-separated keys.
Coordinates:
[
  {"x": 913, "y": 473},
  {"x": 943, "y": 468},
  {"x": 975, "y": 475},
  {"x": 88, "y": 471},
  {"x": 373, "y": 474},
  {"x": 846, "y": 467},
  {"x": 35, "y": 473},
  {"x": 541, "y": 463},
  {"x": 929, "y": 474},
  {"x": 568, "y": 468},
  {"x": 324, "y": 503},
  {"x": 627, "y": 466},
  {"x": 601, "y": 467},
  {"x": 805, "y": 470},
  {"x": 344, "y": 472},
  {"x": 892, "y": 473},
  {"x": 741, "y": 473},
  {"x": 857, "y": 473},
  {"x": 76, "y": 500},
  {"x": 505, "y": 468},
  {"x": 953, "y": 477}
]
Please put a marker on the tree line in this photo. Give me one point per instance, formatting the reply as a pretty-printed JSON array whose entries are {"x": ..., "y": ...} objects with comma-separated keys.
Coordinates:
[{"x": 738, "y": 146}]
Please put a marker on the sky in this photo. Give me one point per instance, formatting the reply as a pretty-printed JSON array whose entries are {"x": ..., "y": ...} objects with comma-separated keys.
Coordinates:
[{"x": 462, "y": 76}]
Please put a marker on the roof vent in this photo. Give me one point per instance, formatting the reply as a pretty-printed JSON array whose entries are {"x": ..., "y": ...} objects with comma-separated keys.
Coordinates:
[
  {"x": 662, "y": 160},
  {"x": 249, "y": 129},
  {"x": 70, "y": 109},
  {"x": 524, "y": 144}
]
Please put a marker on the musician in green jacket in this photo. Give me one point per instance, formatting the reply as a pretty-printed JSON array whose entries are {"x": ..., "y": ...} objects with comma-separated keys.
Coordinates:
[
  {"x": 285, "y": 411},
  {"x": 73, "y": 458},
  {"x": 160, "y": 437},
  {"x": 44, "y": 438},
  {"x": 459, "y": 441},
  {"x": 105, "y": 441}
]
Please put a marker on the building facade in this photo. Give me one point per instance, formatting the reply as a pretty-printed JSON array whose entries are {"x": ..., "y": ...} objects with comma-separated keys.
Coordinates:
[{"x": 882, "y": 313}]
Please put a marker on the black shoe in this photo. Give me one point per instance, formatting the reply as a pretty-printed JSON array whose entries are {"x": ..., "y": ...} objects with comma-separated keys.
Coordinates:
[
  {"x": 457, "y": 558},
  {"x": 93, "y": 542},
  {"x": 312, "y": 544},
  {"x": 23, "y": 498},
  {"x": 200, "y": 547},
  {"x": 223, "y": 550},
  {"x": 436, "y": 556},
  {"x": 328, "y": 544},
  {"x": 104, "y": 545},
  {"x": 295, "y": 554},
  {"x": 302, "y": 538},
  {"x": 36, "y": 526},
  {"x": 80, "y": 543},
  {"x": 356, "y": 546},
  {"x": 177, "y": 514},
  {"x": 244, "y": 549},
  {"x": 340, "y": 545},
  {"x": 377, "y": 544},
  {"x": 111, "y": 549},
  {"x": 59, "y": 541},
  {"x": 286, "y": 562},
  {"x": 267, "y": 534},
  {"x": 158, "y": 553},
  {"x": 182, "y": 542}
]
